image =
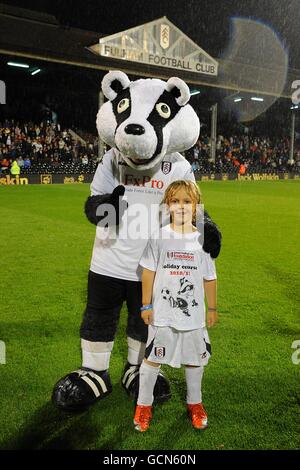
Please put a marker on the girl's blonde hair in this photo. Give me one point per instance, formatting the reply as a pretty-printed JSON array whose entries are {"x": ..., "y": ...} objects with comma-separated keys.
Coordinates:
[{"x": 190, "y": 187}]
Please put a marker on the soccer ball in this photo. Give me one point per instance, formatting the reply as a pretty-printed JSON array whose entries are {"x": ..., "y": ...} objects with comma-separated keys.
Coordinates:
[{"x": 166, "y": 294}]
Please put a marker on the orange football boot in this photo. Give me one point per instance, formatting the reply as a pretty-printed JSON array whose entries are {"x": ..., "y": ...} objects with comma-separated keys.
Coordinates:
[
  {"x": 198, "y": 416},
  {"x": 142, "y": 417}
]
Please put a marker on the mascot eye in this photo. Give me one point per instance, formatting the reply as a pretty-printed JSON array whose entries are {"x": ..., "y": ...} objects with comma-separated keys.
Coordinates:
[
  {"x": 123, "y": 105},
  {"x": 163, "y": 110}
]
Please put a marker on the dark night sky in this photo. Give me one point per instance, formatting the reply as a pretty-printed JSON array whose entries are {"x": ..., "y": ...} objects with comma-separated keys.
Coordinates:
[{"x": 207, "y": 22}]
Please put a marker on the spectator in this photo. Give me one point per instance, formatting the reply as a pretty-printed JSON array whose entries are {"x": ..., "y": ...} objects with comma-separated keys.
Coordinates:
[
  {"x": 242, "y": 169},
  {"x": 15, "y": 169},
  {"x": 4, "y": 165},
  {"x": 20, "y": 162},
  {"x": 27, "y": 163},
  {"x": 85, "y": 160}
]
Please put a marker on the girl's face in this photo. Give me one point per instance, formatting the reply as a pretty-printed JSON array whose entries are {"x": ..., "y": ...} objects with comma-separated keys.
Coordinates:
[{"x": 181, "y": 207}]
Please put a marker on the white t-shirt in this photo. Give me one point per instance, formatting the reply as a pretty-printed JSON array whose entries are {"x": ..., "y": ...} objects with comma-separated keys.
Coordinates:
[
  {"x": 118, "y": 256},
  {"x": 180, "y": 265}
]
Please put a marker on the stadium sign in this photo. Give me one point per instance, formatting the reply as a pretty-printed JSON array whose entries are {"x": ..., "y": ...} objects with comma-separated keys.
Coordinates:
[
  {"x": 159, "y": 43},
  {"x": 45, "y": 179},
  {"x": 87, "y": 178},
  {"x": 7, "y": 180},
  {"x": 252, "y": 177}
]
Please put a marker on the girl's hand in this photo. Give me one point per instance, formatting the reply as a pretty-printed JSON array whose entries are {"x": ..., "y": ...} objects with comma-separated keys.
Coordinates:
[
  {"x": 147, "y": 316},
  {"x": 212, "y": 318}
]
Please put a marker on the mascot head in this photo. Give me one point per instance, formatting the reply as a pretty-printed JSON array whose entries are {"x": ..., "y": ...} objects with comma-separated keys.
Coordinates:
[{"x": 146, "y": 119}]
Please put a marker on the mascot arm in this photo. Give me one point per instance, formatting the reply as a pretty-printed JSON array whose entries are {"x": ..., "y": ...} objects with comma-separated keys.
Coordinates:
[
  {"x": 212, "y": 237},
  {"x": 104, "y": 181}
]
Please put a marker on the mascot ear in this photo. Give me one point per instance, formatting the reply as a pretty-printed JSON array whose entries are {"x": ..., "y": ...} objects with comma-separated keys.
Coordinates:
[
  {"x": 113, "y": 83},
  {"x": 179, "y": 89}
]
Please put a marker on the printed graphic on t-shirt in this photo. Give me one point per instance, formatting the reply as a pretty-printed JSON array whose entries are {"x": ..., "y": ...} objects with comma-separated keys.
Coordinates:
[
  {"x": 183, "y": 299},
  {"x": 180, "y": 255}
]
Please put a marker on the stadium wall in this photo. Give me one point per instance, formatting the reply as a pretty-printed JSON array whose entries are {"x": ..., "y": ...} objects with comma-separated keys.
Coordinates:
[{"x": 87, "y": 178}]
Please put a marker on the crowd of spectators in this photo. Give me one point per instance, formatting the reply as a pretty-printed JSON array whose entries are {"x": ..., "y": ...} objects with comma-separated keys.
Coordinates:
[
  {"x": 45, "y": 148},
  {"x": 243, "y": 155},
  {"x": 28, "y": 148}
]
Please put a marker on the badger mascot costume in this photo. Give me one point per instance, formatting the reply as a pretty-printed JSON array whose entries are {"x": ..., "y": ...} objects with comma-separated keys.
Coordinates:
[{"x": 146, "y": 123}]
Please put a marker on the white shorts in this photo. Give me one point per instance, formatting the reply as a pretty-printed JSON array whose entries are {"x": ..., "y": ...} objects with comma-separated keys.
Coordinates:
[{"x": 165, "y": 345}]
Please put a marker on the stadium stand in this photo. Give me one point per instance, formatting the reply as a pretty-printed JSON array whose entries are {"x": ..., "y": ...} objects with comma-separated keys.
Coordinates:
[
  {"x": 47, "y": 148},
  {"x": 243, "y": 154}
]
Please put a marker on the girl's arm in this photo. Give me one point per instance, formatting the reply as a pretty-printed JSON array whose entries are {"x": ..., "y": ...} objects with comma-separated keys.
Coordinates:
[
  {"x": 147, "y": 288},
  {"x": 210, "y": 288}
]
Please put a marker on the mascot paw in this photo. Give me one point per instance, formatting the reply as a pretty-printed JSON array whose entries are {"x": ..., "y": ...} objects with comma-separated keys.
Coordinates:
[
  {"x": 130, "y": 382},
  {"x": 212, "y": 239},
  {"x": 80, "y": 389},
  {"x": 106, "y": 217}
]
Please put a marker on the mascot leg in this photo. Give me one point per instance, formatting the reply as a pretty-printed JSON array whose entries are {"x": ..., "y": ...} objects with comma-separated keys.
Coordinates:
[
  {"x": 90, "y": 383},
  {"x": 130, "y": 379},
  {"x": 137, "y": 333}
]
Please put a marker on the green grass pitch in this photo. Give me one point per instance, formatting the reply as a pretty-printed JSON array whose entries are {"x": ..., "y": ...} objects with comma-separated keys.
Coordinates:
[{"x": 250, "y": 387}]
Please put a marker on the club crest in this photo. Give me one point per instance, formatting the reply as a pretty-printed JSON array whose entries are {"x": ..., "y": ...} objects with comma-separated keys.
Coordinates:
[
  {"x": 166, "y": 167},
  {"x": 160, "y": 352}
]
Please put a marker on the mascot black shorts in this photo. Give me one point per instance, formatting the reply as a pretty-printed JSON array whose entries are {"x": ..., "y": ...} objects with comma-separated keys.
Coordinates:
[{"x": 104, "y": 302}]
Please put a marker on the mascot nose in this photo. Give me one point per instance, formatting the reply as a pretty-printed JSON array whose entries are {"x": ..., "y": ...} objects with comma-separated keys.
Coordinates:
[{"x": 134, "y": 129}]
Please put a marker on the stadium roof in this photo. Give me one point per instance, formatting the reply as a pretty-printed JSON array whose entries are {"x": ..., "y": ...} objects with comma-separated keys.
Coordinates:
[{"x": 38, "y": 35}]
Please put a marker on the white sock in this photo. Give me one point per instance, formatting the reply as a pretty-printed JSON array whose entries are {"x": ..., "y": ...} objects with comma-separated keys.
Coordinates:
[
  {"x": 95, "y": 361},
  {"x": 96, "y": 355},
  {"x": 193, "y": 377},
  {"x": 136, "y": 351},
  {"x": 148, "y": 376}
]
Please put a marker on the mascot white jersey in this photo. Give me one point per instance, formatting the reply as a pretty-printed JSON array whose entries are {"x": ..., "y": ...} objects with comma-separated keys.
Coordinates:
[
  {"x": 146, "y": 122},
  {"x": 120, "y": 256}
]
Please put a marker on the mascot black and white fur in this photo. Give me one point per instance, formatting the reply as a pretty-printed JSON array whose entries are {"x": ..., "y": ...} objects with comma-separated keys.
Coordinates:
[{"x": 146, "y": 123}]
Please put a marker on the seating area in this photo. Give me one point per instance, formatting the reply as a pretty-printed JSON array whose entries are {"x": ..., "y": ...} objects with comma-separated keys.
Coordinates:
[
  {"x": 61, "y": 168},
  {"x": 46, "y": 148},
  {"x": 244, "y": 155},
  {"x": 38, "y": 148}
]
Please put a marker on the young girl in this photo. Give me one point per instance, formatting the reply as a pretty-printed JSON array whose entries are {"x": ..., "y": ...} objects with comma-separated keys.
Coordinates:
[{"x": 176, "y": 273}]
